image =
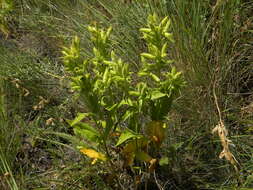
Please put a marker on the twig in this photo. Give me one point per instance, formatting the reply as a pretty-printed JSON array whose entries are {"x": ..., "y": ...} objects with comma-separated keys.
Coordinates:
[{"x": 157, "y": 183}]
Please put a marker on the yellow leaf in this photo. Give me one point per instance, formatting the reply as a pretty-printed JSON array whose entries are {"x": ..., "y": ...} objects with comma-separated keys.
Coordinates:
[
  {"x": 129, "y": 151},
  {"x": 152, "y": 166},
  {"x": 143, "y": 156},
  {"x": 156, "y": 132},
  {"x": 93, "y": 154},
  {"x": 129, "y": 154}
]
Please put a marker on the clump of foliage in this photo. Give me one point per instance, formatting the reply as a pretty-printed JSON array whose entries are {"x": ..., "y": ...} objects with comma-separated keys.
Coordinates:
[{"x": 120, "y": 102}]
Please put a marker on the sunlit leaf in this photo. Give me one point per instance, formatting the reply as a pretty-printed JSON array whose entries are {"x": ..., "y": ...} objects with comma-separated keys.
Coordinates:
[
  {"x": 79, "y": 117},
  {"x": 126, "y": 135},
  {"x": 86, "y": 131},
  {"x": 128, "y": 114},
  {"x": 154, "y": 77},
  {"x": 107, "y": 131},
  {"x": 148, "y": 55},
  {"x": 164, "y": 161},
  {"x": 145, "y": 30},
  {"x": 156, "y": 95},
  {"x": 134, "y": 93}
]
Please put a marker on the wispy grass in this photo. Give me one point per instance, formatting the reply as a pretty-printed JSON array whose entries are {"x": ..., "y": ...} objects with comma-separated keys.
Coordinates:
[{"x": 9, "y": 143}]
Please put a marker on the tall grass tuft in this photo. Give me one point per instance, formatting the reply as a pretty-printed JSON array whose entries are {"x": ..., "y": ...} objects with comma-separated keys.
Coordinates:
[{"x": 8, "y": 145}]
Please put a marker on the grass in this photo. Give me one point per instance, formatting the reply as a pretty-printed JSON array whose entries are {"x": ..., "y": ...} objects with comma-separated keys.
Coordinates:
[
  {"x": 213, "y": 48},
  {"x": 9, "y": 143}
]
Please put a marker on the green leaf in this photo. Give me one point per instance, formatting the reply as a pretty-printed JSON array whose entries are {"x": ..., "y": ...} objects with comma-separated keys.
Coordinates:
[
  {"x": 167, "y": 25},
  {"x": 107, "y": 129},
  {"x": 164, "y": 161},
  {"x": 169, "y": 36},
  {"x": 86, "y": 131},
  {"x": 176, "y": 146},
  {"x": 148, "y": 55},
  {"x": 126, "y": 136},
  {"x": 106, "y": 74},
  {"x": 145, "y": 30},
  {"x": 113, "y": 107},
  {"x": 79, "y": 117},
  {"x": 164, "y": 49},
  {"x": 108, "y": 32},
  {"x": 164, "y": 21},
  {"x": 134, "y": 93},
  {"x": 142, "y": 73},
  {"x": 128, "y": 114},
  {"x": 154, "y": 77},
  {"x": 143, "y": 156},
  {"x": 156, "y": 95}
]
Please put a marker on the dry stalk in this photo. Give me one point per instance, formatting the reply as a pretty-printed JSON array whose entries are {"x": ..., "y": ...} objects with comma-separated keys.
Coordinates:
[
  {"x": 41, "y": 104},
  {"x": 18, "y": 85},
  {"x": 223, "y": 133}
]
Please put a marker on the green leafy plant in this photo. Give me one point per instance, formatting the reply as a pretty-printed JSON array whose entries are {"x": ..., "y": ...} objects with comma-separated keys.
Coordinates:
[{"x": 122, "y": 102}]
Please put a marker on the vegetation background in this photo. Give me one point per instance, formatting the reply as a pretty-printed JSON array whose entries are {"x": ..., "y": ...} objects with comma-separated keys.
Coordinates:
[{"x": 213, "y": 48}]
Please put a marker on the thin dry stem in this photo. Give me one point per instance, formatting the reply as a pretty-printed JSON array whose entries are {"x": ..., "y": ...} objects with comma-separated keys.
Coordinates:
[{"x": 222, "y": 132}]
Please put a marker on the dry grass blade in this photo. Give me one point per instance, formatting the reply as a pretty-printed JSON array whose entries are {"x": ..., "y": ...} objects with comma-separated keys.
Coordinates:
[{"x": 225, "y": 142}]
